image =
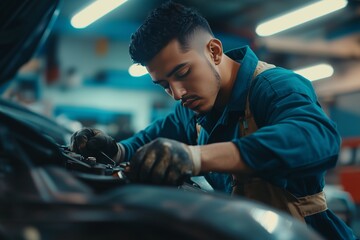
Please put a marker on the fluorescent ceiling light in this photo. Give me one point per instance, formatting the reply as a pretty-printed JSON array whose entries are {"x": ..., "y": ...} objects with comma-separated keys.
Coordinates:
[
  {"x": 299, "y": 16},
  {"x": 93, "y": 12},
  {"x": 316, "y": 72},
  {"x": 136, "y": 70}
]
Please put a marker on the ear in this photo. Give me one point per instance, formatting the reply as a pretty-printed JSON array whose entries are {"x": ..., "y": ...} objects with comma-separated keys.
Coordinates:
[{"x": 215, "y": 50}]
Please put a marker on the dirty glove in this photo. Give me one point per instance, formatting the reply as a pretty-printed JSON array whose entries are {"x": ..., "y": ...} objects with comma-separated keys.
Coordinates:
[
  {"x": 165, "y": 161},
  {"x": 91, "y": 142}
]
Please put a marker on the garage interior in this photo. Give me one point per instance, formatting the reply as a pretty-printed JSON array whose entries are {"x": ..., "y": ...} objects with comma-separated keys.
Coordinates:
[{"x": 80, "y": 76}]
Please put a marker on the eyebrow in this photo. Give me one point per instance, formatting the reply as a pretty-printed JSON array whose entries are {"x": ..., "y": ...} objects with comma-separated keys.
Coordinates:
[
  {"x": 175, "y": 69},
  {"x": 171, "y": 72}
]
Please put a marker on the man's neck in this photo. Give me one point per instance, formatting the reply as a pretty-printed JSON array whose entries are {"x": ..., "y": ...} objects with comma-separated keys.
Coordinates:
[{"x": 228, "y": 73}]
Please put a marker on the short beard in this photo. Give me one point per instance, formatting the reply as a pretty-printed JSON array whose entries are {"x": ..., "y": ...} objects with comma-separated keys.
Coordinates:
[
  {"x": 215, "y": 73},
  {"x": 217, "y": 78}
]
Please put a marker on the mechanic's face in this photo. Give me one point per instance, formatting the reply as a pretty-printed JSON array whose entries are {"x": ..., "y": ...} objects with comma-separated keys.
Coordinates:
[{"x": 187, "y": 76}]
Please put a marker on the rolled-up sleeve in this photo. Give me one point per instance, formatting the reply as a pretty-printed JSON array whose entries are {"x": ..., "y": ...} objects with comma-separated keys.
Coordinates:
[{"x": 178, "y": 125}]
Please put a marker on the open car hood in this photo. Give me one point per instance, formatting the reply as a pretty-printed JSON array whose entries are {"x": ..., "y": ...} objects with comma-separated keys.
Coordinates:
[
  {"x": 56, "y": 194},
  {"x": 24, "y": 25}
]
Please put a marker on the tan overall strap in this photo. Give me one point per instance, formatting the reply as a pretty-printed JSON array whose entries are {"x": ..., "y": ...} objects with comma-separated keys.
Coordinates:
[
  {"x": 265, "y": 192},
  {"x": 247, "y": 124}
]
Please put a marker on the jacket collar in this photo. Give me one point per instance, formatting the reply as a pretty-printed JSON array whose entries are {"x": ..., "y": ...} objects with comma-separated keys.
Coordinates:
[{"x": 248, "y": 60}]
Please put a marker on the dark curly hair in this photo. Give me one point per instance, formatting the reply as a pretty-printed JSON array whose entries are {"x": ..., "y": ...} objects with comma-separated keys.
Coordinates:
[{"x": 167, "y": 22}]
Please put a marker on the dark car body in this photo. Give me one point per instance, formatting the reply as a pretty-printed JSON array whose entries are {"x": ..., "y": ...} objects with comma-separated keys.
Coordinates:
[{"x": 47, "y": 192}]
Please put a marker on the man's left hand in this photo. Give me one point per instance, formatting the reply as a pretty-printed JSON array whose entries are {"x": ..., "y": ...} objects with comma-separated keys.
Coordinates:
[{"x": 165, "y": 161}]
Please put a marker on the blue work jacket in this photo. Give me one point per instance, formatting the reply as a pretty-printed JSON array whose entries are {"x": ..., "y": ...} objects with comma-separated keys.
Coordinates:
[{"x": 294, "y": 146}]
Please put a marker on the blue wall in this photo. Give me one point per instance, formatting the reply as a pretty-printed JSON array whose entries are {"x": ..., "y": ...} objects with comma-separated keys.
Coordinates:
[{"x": 346, "y": 113}]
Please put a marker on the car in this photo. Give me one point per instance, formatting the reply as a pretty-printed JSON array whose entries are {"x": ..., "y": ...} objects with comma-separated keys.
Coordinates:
[{"x": 49, "y": 192}]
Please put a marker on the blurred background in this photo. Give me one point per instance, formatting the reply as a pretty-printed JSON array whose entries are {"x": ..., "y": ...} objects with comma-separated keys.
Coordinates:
[{"x": 80, "y": 76}]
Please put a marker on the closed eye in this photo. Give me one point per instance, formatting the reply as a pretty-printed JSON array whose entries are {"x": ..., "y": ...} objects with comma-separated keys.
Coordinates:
[{"x": 183, "y": 74}]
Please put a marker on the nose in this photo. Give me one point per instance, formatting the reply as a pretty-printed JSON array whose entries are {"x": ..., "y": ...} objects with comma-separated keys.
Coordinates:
[{"x": 177, "y": 90}]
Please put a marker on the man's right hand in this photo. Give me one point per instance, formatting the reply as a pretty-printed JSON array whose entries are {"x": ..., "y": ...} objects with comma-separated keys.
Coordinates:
[{"x": 90, "y": 142}]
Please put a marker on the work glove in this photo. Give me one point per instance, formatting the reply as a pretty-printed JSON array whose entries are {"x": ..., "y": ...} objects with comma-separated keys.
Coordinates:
[
  {"x": 91, "y": 142},
  {"x": 165, "y": 161}
]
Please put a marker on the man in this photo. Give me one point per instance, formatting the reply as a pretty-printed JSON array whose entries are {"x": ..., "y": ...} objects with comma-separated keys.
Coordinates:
[{"x": 248, "y": 126}]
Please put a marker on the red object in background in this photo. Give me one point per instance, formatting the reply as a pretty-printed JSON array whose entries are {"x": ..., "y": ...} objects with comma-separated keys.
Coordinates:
[
  {"x": 52, "y": 71},
  {"x": 350, "y": 175},
  {"x": 102, "y": 46},
  {"x": 52, "y": 74},
  {"x": 350, "y": 180},
  {"x": 351, "y": 142}
]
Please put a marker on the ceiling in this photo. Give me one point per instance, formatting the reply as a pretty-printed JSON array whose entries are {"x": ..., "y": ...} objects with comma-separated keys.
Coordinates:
[{"x": 335, "y": 37}]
